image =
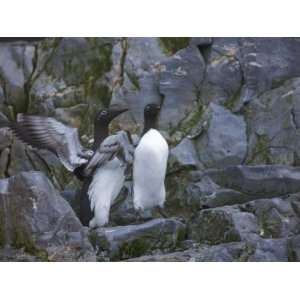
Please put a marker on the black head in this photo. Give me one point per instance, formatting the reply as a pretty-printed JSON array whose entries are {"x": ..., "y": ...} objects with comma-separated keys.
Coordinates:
[
  {"x": 151, "y": 110},
  {"x": 106, "y": 115},
  {"x": 102, "y": 120}
]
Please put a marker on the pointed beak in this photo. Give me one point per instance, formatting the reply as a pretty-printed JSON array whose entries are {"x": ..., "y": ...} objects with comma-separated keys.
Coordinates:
[{"x": 117, "y": 112}]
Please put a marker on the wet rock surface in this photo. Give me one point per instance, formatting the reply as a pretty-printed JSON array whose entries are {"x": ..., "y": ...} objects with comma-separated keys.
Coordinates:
[{"x": 230, "y": 113}]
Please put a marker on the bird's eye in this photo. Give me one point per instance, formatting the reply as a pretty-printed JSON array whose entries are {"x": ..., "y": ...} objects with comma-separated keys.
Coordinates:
[{"x": 104, "y": 112}]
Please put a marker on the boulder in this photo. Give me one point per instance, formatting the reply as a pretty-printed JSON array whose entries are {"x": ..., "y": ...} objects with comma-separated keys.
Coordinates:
[
  {"x": 258, "y": 181},
  {"x": 184, "y": 155},
  {"x": 180, "y": 81},
  {"x": 223, "y": 252},
  {"x": 207, "y": 194},
  {"x": 223, "y": 224},
  {"x": 223, "y": 142},
  {"x": 36, "y": 218},
  {"x": 124, "y": 242},
  {"x": 273, "y": 120},
  {"x": 258, "y": 250},
  {"x": 264, "y": 250},
  {"x": 277, "y": 217}
]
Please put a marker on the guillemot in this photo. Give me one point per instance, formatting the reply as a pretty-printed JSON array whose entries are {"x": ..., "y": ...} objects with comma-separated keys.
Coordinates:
[
  {"x": 150, "y": 164},
  {"x": 109, "y": 164},
  {"x": 52, "y": 135}
]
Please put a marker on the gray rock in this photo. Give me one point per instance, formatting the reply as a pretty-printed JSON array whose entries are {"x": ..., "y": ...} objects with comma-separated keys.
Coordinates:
[
  {"x": 201, "y": 41},
  {"x": 273, "y": 120},
  {"x": 294, "y": 248},
  {"x": 223, "y": 252},
  {"x": 269, "y": 250},
  {"x": 35, "y": 217},
  {"x": 224, "y": 141},
  {"x": 267, "y": 62},
  {"x": 221, "y": 225},
  {"x": 180, "y": 80},
  {"x": 254, "y": 251},
  {"x": 223, "y": 77},
  {"x": 17, "y": 255},
  {"x": 206, "y": 193},
  {"x": 259, "y": 181},
  {"x": 124, "y": 242},
  {"x": 277, "y": 217},
  {"x": 136, "y": 66},
  {"x": 184, "y": 155},
  {"x": 5, "y": 138},
  {"x": 16, "y": 66}
]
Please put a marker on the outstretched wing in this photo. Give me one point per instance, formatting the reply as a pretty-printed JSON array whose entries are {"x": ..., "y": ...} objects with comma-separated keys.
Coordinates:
[
  {"x": 47, "y": 133},
  {"x": 119, "y": 145}
]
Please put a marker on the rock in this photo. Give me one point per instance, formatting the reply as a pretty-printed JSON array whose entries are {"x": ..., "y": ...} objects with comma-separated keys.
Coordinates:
[
  {"x": 184, "y": 155},
  {"x": 201, "y": 41},
  {"x": 5, "y": 138},
  {"x": 136, "y": 64},
  {"x": 16, "y": 66},
  {"x": 19, "y": 160},
  {"x": 294, "y": 248},
  {"x": 124, "y": 242},
  {"x": 277, "y": 217},
  {"x": 206, "y": 193},
  {"x": 223, "y": 252},
  {"x": 273, "y": 120},
  {"x": 17, "y": 255},
  {"x": 221, "y": 225},
  {"x": 259, "y": 181},
  {"x": 256, "y": 250},
  {"x": 36, "y": 218},
  {"x": 269, "y": 250},
  {"x": 123, "y": 211},
  {"x": 180, "y": 80},
  {"x": 223, "y": 77},
  {"x": 224, "y": 142},
  {"x": 268, "y": 62},
  {"x": 71, "y": 196},
  {"x": 148, "y": 74}
]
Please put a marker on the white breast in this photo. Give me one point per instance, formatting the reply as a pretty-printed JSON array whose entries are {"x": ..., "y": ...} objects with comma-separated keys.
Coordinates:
[
  {"x": 149, "y": 171},
  {"x": 104, "y": 189}
]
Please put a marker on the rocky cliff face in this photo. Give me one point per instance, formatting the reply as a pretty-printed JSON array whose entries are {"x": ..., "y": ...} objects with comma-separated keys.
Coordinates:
[{"x": 231, "y": 115}]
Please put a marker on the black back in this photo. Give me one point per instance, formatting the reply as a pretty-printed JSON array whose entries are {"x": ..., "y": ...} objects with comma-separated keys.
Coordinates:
[{"x": 85, "y": 212}]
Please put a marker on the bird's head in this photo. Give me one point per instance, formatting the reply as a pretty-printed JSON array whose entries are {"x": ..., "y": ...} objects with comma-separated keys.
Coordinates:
[
  {"x": 151, "y": 110},
  {"x": 106, "y": 115}
]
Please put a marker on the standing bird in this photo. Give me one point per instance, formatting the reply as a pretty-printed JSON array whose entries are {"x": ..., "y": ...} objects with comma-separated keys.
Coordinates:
[
  {"x": 108, "y": 166},
  {"x": 150, "y": 164}
]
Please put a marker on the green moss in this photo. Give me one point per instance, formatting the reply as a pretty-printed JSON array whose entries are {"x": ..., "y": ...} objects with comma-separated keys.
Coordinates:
[
  {"x": 134, "y": 80},
  {"x": 181, "y": 235},
  {"x": 134, "y": 248},
  {"x": 190, "y": 122},
  {"x": 171, "y": 45},
  {"x": 101, "y": 62},
  {"x": 261, "y": 150},
  {"x": 231, "y": 102}
]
